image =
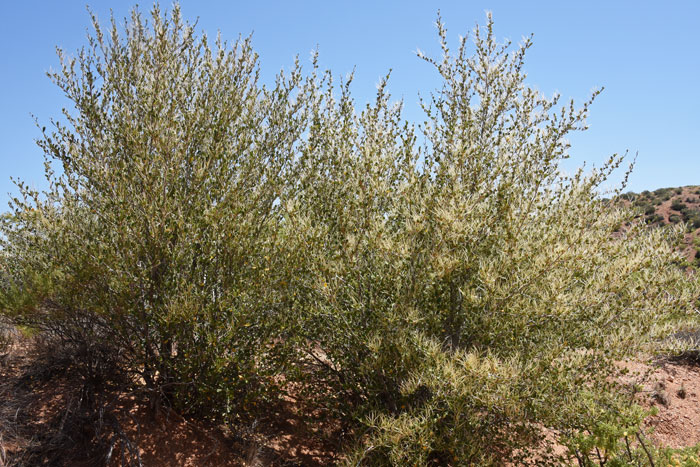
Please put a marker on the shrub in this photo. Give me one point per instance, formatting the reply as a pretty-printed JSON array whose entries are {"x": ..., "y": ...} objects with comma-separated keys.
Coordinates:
[
  {"x": 664, "y": 193},
  {"x": 678, "y": 205},
  {"x": 159, "y": 235},
  {"x": 446, "y": 290},
  {"x": 654, "y": 218}
]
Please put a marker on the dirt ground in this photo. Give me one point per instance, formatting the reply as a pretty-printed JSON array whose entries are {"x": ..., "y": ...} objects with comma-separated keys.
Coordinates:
[
  {"x": 41, "y": 424},
  {"x": 673, "y": 387},
  {"x": 36, "y": 401}
]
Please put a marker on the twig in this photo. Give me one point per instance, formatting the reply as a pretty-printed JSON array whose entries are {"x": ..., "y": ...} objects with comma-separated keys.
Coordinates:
[
  {"x": 629, "y": 451},
  {"x": 651, "y": 460}
]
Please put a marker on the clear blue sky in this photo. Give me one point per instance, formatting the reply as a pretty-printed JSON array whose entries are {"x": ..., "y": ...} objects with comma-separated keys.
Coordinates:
[{"x": 645, "y": 53}]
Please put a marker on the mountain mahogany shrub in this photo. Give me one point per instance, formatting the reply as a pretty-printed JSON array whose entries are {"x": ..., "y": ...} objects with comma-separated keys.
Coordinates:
[
  {"x": 475, "y": 246},
  {"x": 159, "y": 235},
  {"x": 445, "y": 287}
]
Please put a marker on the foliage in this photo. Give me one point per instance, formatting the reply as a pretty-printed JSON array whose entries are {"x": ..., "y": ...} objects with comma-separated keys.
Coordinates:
[
  {"x": 686, "y": 457},
  {"x": 686, "y": 207},
  {"x": 635, "y": 451},
  {"x": 157, "y": 236},
  {"x": 446, "y": 288},
  {"x": 678, "y": 205}
]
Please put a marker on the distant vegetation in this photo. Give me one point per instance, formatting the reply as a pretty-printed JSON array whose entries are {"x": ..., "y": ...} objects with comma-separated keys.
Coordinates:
[
  {"x": 683, "y": 202},
  {"x": 671, "y": 206},
  {"x": 441, "y": 292}
]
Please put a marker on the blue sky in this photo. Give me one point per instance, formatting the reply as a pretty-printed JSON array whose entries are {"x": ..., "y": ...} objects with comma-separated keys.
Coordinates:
[{"x": 645, "y": 54}]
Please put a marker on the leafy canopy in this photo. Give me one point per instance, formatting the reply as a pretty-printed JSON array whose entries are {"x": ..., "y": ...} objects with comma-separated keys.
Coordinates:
[{"x": 443, "y": 288}]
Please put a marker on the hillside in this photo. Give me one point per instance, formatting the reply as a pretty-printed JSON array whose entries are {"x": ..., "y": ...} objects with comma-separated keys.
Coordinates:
[{"x": 672, "y": 206}]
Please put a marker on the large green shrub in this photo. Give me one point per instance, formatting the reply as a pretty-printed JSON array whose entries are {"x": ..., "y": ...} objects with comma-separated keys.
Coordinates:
[
  {"x": 158, "y": 236},
  {"x": 446, "y": 290}
]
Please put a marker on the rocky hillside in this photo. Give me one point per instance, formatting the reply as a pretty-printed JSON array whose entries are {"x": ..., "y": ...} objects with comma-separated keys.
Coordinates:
[{"x": 672, "y": 206}]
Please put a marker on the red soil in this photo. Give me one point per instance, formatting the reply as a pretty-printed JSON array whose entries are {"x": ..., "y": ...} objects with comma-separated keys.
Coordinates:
[{"x": 289, "y": 435}]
